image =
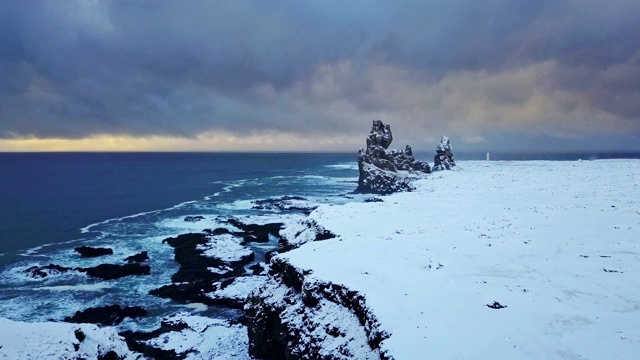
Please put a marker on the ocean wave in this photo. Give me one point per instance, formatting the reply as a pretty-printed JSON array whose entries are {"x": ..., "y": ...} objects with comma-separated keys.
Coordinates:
[{"x": 343, "y": 166}]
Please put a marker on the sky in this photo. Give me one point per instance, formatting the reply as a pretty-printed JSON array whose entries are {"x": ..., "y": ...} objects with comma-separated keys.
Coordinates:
[{"x": 493, "y": 75}]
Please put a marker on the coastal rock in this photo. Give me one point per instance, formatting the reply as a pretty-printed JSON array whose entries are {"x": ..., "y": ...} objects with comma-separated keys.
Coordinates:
[
  {"x": 255, "y": 232},
  {"x": 443, "y": 159},
  {"x": 203, "y": 259},
  {"x": 115, "y": 271},
  {"x": 106, "y": 315},
  {"x": 233, "y": 292},
  {"x": 384, "y": 171},
  {"x": 194, "y": 337},
  {"x": 40, "y": 272},
  {"x": 294, "y": 316},
  {"x": 299, "y": 233},
  {"x": 89, "y": 252},
  {"x": 192, "y": 218},
  {"x": 285, "y": 203},
  {"x": 140, "y": 257}
]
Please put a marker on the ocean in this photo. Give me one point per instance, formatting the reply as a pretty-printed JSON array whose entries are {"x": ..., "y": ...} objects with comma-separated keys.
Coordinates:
[{"x": 53, "y": 202}]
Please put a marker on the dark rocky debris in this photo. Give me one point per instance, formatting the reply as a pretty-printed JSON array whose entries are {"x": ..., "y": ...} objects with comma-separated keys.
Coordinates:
[
  {"x": 136, "y": 341},
  {"x": 40, "y": 272},
  {"x": 192, "y": 218},
  {"x": 105, "y": 315},
  {"x": 496, "y": 305},
  {"x": 443, "y": 159},
  {"x": 379, "y": 166},
  {"x": 89, "y": 252}
]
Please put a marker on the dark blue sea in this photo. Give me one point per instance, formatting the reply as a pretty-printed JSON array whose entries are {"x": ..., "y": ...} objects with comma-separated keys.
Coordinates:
[{"x": 53, "y": 202}]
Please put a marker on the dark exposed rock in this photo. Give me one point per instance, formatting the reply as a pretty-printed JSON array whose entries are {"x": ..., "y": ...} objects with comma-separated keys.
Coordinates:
[
  {"x": 256, "y": 232},
  {"x": 89, "y": 252},
  {"x": 379, "y": 167},
  {"x": 47, "y": 270},
  {"x": 373, "y": 200},
  {"x": 496, "y": 305},
  {"x": 115, "y": 271},
  {"x": 111, "y": 355},
  {"x": 103, "y": 271},
  {"x": 285, "y": 203},
  {"x": 443, "y": 159},
  {"x": 217, "y": 231},
  {"x": 284, "y": 326},
  {"x": 136, "y": 341},
  {"x": 194, "y": 279},
  {"x": 269, "y": 254},
  {"x": 141, "y": 257},
  {"x": 257, "y": 269},
  {"x": 105, "y": 315},
  {"x": 192, "y": 218}
]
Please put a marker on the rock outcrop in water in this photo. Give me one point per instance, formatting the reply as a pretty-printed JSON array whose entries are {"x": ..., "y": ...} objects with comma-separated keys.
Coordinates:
[
  {"x": 443, "y": 159},
  {"x": 384, "y": 171}
]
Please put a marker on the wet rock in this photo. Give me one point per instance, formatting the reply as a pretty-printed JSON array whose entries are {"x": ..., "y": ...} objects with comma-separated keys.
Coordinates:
[
  {"x": 193, "y": 219},
  {"x": 115, "y": 271},
  {"x": 199, "y": 269},
  {"x": 39, "y": 272},
  {"x": 106, "y": 315},
  {"x": 140, "y": 257},
  {"x": 89, "y": 252},
  {"x": 443, "y": 159},
  {"x": 383, "y": 171}
]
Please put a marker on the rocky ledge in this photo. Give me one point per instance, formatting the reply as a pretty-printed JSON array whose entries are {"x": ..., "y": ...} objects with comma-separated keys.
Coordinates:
[
  {"x": 295, "y": 316},
  {"x": 384, "y": 171}
]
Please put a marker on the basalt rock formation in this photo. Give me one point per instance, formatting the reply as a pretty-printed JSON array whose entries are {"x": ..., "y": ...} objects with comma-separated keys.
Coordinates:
[
  {"x": 384, "y": 171},
  {"x": 443, "y": 159}
]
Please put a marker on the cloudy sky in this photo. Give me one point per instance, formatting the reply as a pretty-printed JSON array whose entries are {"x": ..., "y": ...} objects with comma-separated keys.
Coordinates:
[{"x": 312, "y": 75}]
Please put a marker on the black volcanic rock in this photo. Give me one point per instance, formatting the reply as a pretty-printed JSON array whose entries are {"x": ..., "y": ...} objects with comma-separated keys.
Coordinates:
[
  {"x": 115, "y": 271},
  {"x": 89, "y": 252},
  {"x": 47, "y": 270},
  {"x": 195, "y": 277},
  {"x": 106, "y": 315},
  {"x": 141, "y": 257},
  {"x": 443, "y": 159},
  {"x": 379, "y": 167},
  {"x": 192, "y": 218}
]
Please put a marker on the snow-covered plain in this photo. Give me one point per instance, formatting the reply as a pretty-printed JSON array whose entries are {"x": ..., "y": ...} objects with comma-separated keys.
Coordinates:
[{"x": 556, "y": 243}]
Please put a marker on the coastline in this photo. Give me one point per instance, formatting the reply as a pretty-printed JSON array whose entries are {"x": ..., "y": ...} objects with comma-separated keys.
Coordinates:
[
  {"x": 553, "y": 242},
  {"x": 415, "y": 274}
]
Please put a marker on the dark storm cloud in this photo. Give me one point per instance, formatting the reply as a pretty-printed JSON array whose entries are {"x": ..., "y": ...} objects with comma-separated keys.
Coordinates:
[{"x": 77, "y": 68}]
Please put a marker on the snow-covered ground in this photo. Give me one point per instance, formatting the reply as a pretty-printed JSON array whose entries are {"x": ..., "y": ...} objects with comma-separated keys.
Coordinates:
[
  {"x": 19, "y": 340},
  {"x": 556, "y": 243}
]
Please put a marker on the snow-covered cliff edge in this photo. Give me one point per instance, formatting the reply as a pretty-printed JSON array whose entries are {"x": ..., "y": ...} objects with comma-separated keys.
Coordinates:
[{"x": 502, "y": 260}]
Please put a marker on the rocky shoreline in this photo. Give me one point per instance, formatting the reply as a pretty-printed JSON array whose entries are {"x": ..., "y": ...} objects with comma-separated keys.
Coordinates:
[{"x": 288, "y": 313}]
